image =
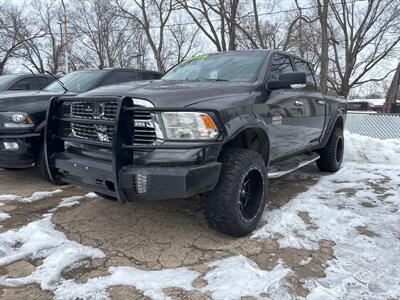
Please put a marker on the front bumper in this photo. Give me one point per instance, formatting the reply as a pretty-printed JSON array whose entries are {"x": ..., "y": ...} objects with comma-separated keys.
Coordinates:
[
  {"x": 136, "y": 182},
  {"x": 20, "y": 158}
]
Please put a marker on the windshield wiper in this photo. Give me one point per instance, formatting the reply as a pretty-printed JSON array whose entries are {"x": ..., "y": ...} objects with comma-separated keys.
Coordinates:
[
  {"x": 36, "y": 77},
  {"x": 211, "y": 79},
  {"x": 59, "y": 81}
]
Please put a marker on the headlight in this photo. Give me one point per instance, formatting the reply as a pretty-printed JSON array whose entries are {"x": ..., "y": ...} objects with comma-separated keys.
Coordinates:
[
  {"x": 15, "y": 120},
  {"x": 189, "y": 126}
]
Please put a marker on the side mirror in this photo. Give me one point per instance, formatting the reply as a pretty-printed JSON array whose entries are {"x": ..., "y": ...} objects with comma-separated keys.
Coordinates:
[{"x": 294, "y": 80}]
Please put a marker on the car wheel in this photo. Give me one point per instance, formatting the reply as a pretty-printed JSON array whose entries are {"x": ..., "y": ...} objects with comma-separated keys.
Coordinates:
[
  {"x": 331, "y": 156},
  {"x": 237, "y": 203}
]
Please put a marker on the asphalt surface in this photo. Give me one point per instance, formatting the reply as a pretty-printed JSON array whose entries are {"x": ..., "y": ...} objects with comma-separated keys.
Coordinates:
[{"x": 151, "y": 235}]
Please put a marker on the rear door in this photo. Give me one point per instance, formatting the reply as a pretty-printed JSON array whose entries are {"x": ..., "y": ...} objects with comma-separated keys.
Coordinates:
[
  {"x": 284, "y": 114},
  {"x": 314, "y": 105}
]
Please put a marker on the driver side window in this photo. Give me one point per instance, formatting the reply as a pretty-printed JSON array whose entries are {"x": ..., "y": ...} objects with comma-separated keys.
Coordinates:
[{"x": 280, "y": 64}]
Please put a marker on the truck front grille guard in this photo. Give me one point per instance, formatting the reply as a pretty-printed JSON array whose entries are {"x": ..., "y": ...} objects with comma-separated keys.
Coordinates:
[{"x": 122, "y": 144}]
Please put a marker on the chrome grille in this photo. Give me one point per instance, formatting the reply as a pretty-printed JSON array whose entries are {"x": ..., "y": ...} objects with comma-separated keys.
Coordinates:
[{"x": 143, "y": 131}]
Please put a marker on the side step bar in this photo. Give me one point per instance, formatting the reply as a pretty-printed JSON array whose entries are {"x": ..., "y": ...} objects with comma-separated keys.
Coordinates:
[{"x": 291, "y": 165}]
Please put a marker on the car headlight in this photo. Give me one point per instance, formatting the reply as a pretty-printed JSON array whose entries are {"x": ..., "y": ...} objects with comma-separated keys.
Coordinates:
[
  {"x": 15, "y": 120},
  {"x": 189, "y": 126}
]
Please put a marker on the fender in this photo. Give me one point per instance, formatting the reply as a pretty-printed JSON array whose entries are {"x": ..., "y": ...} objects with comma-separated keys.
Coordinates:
[
  {"x": 248, "y": 121},
  {"x": 339, "y": 113}
]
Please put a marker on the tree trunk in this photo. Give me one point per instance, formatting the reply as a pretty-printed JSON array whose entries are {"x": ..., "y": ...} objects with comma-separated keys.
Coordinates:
[
  {"x": 393, "y": 92},
  {"x": 323, "y": 18}
]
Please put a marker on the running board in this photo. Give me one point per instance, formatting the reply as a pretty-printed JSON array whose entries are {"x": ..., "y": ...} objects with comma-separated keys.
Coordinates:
[{"x": 288, "y": 166}]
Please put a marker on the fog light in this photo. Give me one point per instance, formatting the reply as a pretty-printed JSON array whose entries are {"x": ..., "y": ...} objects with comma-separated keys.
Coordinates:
[
  {"x": 141, "y": 184},
  {"x": 11, "y": 145}
]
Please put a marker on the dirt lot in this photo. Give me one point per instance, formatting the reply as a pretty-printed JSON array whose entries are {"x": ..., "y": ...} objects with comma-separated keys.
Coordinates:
[{"x": 156, "y": 236}]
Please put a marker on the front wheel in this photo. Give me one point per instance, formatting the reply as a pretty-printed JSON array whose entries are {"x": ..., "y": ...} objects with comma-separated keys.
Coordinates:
[
  {"x": 331, "y": 156},
  {"x": 237, "y": 203}
]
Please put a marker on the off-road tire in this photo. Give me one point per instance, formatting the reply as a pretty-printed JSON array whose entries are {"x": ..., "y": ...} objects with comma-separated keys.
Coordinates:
[
  {"x": 221, "y": 205},
  {"x": 331, "y": 156}
]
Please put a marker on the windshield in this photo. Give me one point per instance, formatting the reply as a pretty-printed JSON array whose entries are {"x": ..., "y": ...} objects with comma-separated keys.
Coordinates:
[
  {"x": 79, "y": 81},
  {"x": 227, "y": 67},
  {"x": 5, "y": 80}
]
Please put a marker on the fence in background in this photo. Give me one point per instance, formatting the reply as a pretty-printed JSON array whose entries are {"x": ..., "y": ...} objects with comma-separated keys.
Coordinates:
[{"x": 377, "y": 125}]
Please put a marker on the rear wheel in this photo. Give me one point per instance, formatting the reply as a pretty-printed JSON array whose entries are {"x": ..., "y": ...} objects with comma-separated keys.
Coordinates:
[
  {"x": 237, "y": 203},
  {"x": 331, "y": 156}
]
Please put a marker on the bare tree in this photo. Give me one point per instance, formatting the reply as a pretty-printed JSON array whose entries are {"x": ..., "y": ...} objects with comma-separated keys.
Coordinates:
[
  {"x": 14, "y": 32},
  {"x": 146, "y": 13},
  {"x": 204, "y": 14},
  {"x": 44, "y": 53},
  {"x": 363, "y": 34},
  {"x": 103, "y": 35}
]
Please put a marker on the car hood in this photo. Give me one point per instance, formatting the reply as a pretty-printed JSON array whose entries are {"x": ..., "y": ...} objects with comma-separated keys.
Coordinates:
[
  {"x": 26, "y": 101},
  {"x": 171, "y": 93}
]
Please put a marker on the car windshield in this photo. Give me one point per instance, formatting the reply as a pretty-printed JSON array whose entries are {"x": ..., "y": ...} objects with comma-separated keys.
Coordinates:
[
  {"x": 215, "y": 67},
  {"x": 5, "y": 80},
  {"x": 79, "y": 81}
]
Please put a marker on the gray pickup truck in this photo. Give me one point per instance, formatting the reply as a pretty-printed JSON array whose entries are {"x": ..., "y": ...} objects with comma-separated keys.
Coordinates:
[{"x": 217, "y": 125}]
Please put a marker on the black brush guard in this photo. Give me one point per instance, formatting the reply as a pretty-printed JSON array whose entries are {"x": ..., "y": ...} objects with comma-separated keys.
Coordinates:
[{"x": 121, "y": 177}]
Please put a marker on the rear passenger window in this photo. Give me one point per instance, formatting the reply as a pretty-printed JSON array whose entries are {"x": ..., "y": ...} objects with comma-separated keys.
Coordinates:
[
  {"x": 302, "y": 66},
  {"x": 280, "y": 64},
  {"x": 26, "y": 84},
  {"x": 119, "y": 77},
  {"x": 147, "y": 76}
]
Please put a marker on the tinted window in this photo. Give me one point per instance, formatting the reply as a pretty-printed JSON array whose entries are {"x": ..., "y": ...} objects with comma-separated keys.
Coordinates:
[
  {"x": 147, "y": 75},
  {"x": 302, "y": 66},
  {"x": 35, "y": 83},
  {"x": 226, "y": 67},
  {"x": 20, "y": 85},
  {"x": 280, "y": 64},
  {"x": 119, "y": 77},
  {"x": 79, "y": 81}
]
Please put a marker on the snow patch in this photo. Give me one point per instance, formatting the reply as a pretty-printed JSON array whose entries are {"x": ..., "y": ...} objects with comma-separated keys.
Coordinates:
[
  {"x": 151, "y": 283},
  {"x": 4, "y": 216},
  {"x": 365, "y": 149},
  {"x": 36, "y": 196},
  {"x": 40, "y": 239},
  {"x": 238, "y": 276}
]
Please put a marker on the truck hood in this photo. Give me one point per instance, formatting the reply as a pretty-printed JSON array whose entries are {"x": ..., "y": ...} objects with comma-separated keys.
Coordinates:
[
  {"x": 171, "y": 93},
  {"x": 26, "y": 101}
]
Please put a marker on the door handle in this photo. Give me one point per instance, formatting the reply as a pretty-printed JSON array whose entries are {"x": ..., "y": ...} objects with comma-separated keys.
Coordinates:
[
  {"x": 321, "y": 102},
  {"x": 298, "y": 102}
]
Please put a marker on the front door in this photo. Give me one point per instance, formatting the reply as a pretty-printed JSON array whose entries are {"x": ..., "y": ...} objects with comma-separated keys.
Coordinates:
[
  {"x": 284, "y": 112},
  {"x": 314, "y": 106}
]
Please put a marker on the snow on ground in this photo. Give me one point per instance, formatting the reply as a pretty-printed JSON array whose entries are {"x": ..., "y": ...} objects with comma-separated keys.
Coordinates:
[
  {"x": 364, "y": 194},
  {"x": 73, "y": 200},
  {"x": 361, "y": 195},
  {"x": 239, "y": 276},
  {"x": 150, "y": 283},
  {"x": 36, "y": 196},
  {"x": 4, "y": 216},
  {"x": 40, "y": 239}
]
